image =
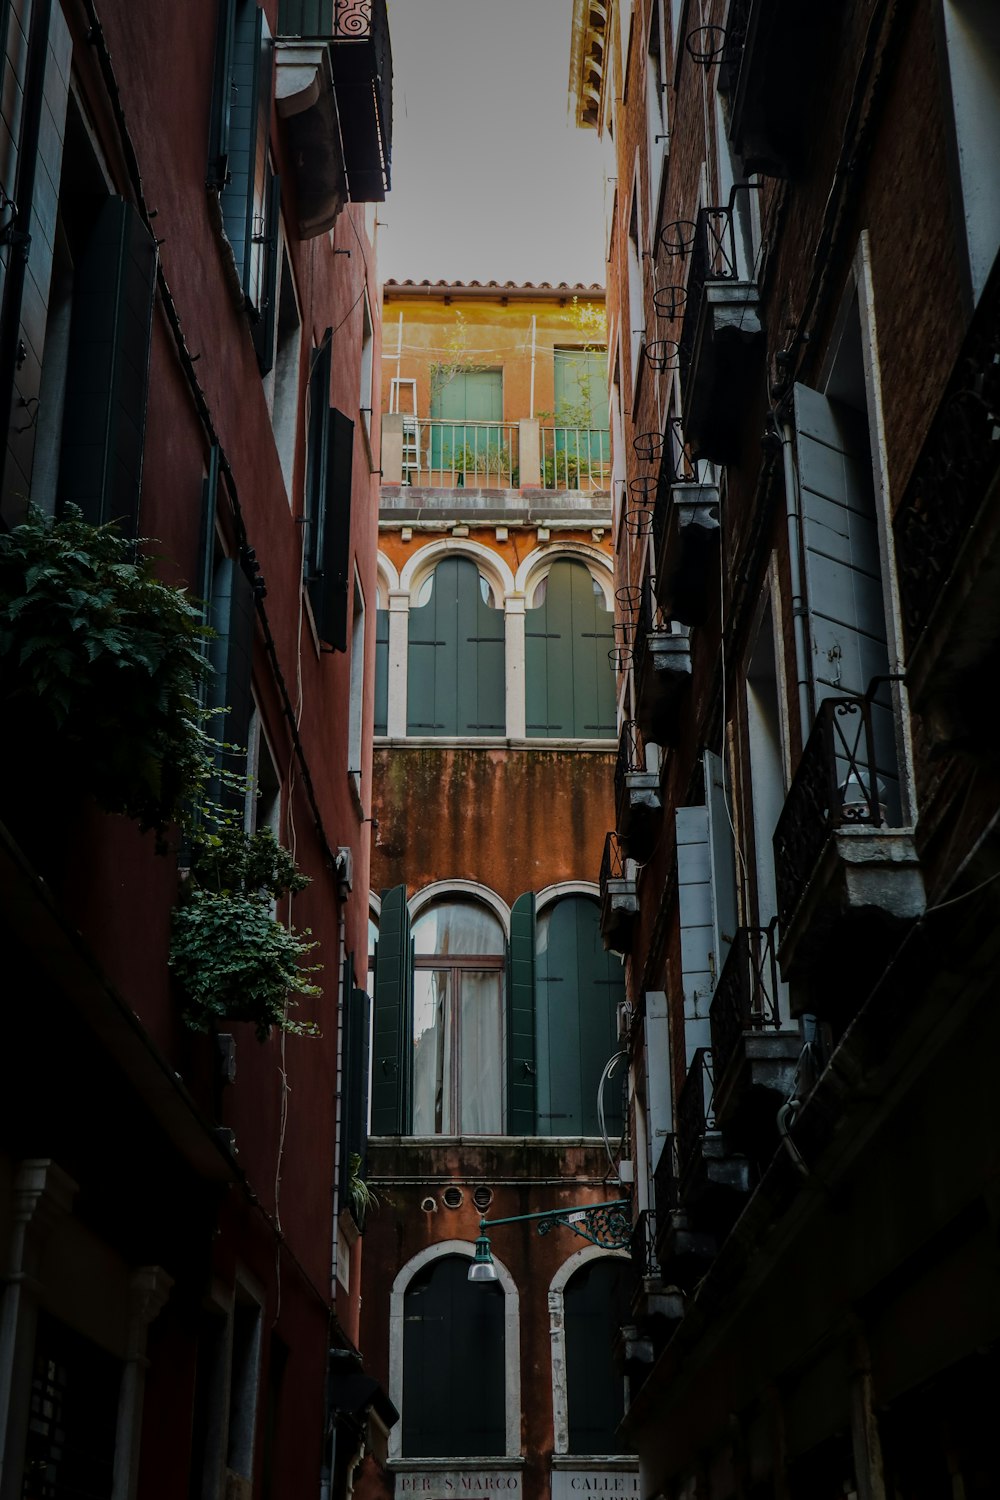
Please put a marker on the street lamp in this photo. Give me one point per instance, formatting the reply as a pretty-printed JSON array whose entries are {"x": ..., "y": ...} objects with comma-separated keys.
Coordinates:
[{"x": 604, "y": 1224}]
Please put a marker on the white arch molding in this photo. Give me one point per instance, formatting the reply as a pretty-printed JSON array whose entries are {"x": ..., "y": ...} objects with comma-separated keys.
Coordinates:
[
  {"x": 550, "y": 894},
  {"x": 417, "y": 568},
  {"x": 386, "y": 577},
  {"x": 512, "y": 1342},
  {"x": 537, "y": 564},
  {"x": 557, "y": 1334},
  {"x": 462, "y": 890}
]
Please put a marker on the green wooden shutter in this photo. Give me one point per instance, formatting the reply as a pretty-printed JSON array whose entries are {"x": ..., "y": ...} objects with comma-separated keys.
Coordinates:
[
  {"x": 521, "y": 1079},
  {"x": 107, "y": 377},
  {"x": 331, "y": 595},
  {"x": 354, "y": 1097},
  {"x": 597, "y": 1302},
  {"x": 222, "y": 97},
  {"x": 842, "y": 563},
  {"x": 206, "y": 536},
  {"x": 244, "y": 190},
  {"x": 393, "y": 1041},
  {"x": 697, "y": 916},
  {"x": 454, "y": 1400},
  {"x": 455, "y": 675},
  {"x": 231, "y": 656},
  {"x": 381, "y": 671},
  {"x": 263, "y": 330},
  {"x": 317, "y": 442},
  {"x": 570, "y": 690},
  {"x": 723, "y": 856},
  {"x": 579, "y": 987}
]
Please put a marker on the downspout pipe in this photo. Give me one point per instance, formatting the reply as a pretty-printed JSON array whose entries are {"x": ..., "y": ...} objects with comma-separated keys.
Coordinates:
[{"x": 794, "y": 522}]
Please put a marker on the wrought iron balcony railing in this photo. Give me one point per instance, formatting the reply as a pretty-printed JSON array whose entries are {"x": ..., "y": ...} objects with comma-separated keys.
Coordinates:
[
  {"x": 642, "y": 1246},
  {"x": 631, "y": 756},
  {"x": 746, "y": 996},
  {"x": 955, "y": 472},
  {"x": 713, "y": 258},
  {"x": 613, "y": 866},
  {"x": 575, "y": 458},
  {"x": 695, "y": 1109},
  {"x": 836, "y": 784},
  {"x": 731, "y": 53}
]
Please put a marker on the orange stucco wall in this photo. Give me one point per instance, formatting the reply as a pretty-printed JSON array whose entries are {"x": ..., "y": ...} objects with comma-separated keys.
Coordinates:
[{"x": 421, "y": 331}]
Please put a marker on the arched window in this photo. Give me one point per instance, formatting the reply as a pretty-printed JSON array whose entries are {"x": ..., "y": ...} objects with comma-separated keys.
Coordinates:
[
  {"x": 597, "y": 1302},
  {"x": 578, "y": 987},
  {"x": 455, "y": 672},
  {"x": 569, "y": 685},
  {"x": 458, "y": 995},
  {"x": 453, "y": 1364}
]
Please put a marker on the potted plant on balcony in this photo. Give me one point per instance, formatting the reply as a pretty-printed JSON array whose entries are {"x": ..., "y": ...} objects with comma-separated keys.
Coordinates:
[
  {"x": 101, "y": 667},
  {"x": 232, "y": 957}
]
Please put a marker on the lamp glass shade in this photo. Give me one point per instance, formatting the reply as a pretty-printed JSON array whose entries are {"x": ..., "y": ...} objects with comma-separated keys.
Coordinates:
[{"x": 482, "y": 1268}]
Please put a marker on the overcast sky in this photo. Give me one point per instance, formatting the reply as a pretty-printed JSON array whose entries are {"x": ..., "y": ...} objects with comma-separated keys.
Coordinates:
[{"x": 490, "y": 178}]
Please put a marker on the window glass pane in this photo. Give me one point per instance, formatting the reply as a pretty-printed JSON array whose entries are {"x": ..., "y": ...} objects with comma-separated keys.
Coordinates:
[
  {"x": 480, "y": 1052},
  {"x": 457, "y": 927},
  {"x": 431, "y": 1051}
]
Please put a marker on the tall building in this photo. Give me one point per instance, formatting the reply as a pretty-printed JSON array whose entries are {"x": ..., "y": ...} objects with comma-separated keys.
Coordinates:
[
  {"x": 803, "y": 333},
  {"x": 190, "y": 335},
  {"x": 496, "y": 1091}
]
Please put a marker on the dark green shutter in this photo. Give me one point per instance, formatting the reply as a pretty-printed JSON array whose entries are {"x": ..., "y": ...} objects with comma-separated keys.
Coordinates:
[
  {"x": 381, "y": 671},
  {"x": 597, "y": 1302},
  {"x": 570, "y": 692},
  {"x": 330, "y": 588},
  {"x": 250, "y": 59},
  {"x": 579, "y": 987},
  {"x": 107, "y": 377},
  {"x": 222, "y": 96},
  {"x": 393, "y": 1044},
  {"x": 521, "y": 1018},
  {"x": 354, "y": 1095},
  {"x": 206, "y": 537},
  {"x": 263, "y": 332},
  {"x": 454, "y": 1400},
  {"x": 455, "y": 675},
  {"x": 317, "y": 438},
  {"x": 231, "y": 654}
]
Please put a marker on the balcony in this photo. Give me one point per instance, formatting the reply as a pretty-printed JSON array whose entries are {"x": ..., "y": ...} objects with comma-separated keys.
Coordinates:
[
  {"x": 657, "y": 1307},
  {"x": 719, "y": 331},
  {"x": 683, "y": 1250},
  {"x": 334, "y": 92},
  {"x": 755, "y": 1057},
  {"x": 772, "y": 55},
  {"x": 662, "y": 660},
  {"x": 619, "y": 902},
  {"x": 845, "y": 876},
  {"x": 686, "y": 533},
  {"x": 947, "y": 536},
  {"x": 436, "y": 454},
  {"x": 638, "y": 812},
  {"x": 713, "y": 1180}
]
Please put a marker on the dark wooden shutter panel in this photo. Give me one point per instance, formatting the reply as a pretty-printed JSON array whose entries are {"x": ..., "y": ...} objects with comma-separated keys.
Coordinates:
[
  {"x": 246, "y": 57},
  {"x": 381, "y": 671},
  {"x": 331, "y": 594},
  {"x": 354, "y": 1098},
  {"x": 521, "y": 1018},
  {"x": 232, "y": 617},
  {"x": 107, "y": 378},
  {"x": 263, "y": 332},
  {"x": 391, "y": 1066},
  {"x": 206, "y": 533},
  {"x": 222, "y": 97},
  {"x": 454, "y": 1401}
]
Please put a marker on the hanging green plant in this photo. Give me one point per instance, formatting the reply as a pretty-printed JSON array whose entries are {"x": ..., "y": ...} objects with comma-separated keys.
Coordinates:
[
  {"x": 232, "y": 957},
  {"x": 101, "y": 668},
  {"x": 360, "y": 1198}
]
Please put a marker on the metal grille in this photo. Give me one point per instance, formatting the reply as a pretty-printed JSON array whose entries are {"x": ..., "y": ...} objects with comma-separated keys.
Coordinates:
[
  {"x": 956, "y": 470},
  {"x": 835, "y": 784},
  {"x": 746, "y": 996},
  {"x": 695, "y": 1108},
  {"x": 713, "y": 258}
]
